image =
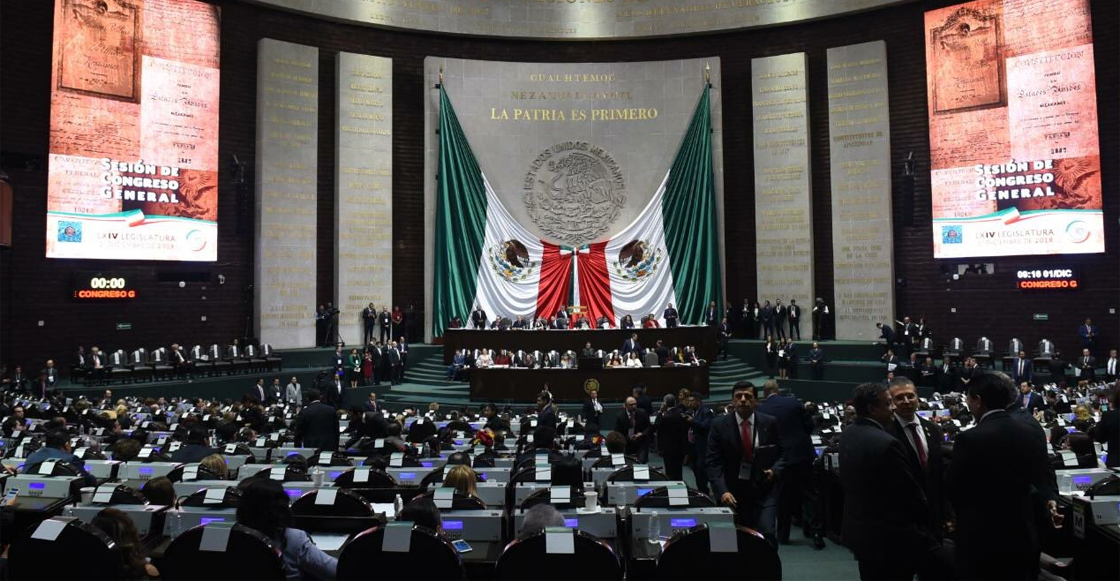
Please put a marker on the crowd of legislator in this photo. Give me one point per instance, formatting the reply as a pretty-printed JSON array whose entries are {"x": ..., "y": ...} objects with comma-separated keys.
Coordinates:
[
  {"x": 632, "y": 355},
  {"x": 976, "y": 466}
]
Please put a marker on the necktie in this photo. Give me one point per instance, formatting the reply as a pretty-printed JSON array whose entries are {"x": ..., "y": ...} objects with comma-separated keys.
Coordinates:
[
  {"x": 918, "y": 444},
  {"x": 748, "y": 443},
  {"x": 1020, "y": 368}
]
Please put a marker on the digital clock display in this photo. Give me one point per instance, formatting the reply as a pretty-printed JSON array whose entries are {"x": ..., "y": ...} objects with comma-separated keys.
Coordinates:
[
  {"x": 101, "y": 286},
  {"x": 1062, "y": 278}
]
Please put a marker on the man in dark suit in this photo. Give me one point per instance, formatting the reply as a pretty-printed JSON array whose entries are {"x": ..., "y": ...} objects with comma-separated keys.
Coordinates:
[
  {"x": 1028, "y": 400},
  {"x": 794, "y": 319},
  {"x": 672, "y": 437},
  {"x": 662, "y": 353},
  {"x": 631, "y": 345},
  {"x": 197, "y": 448},
  {"x": 385, "y": 320},
  {"x": 711, "y": 315},
  {"x": 922, "y": 440},
  {"x": 316, "y": 426},
  {"x": 885, "y": 508},
  {"x": 671, "y": 317},
  {"x": 644, "y": 401},
  {"x": 781, "y": 317},
  {"x": 1088, "y": 334},
  {"x": 50, "y": 373},
  {"x": 275, "y": 392},
  {"x": 1107, "y": 431},
  {"x": 766, "y": 315},
  {"x": 258, "y": 393},
  {"x": 1086, "y": 366},
  {"x": 1021, "y": 368},
  {"x": 478, "y": 317},
  {"x": 371, "y": 404},
  {"x": 377, "y": 354},
  {"x": 816, "y": 360},
  {"x": 369, "y": 321},
  {"x": 998, "y": 481},
  {"x": 886, "y": 333},
  {"x": 745, "y": 459},
  {"x": 699, "y": 418},
  {"x": 592, "y": 409},
  {"x": 546, "y": 416},
  {"x": 1111, "y": 366},
  {"x": 794, "y": 425},
  {"x": 634, "y": 423},
  {"x": 724, "y": 337},
  {"x": 396, "y": 369}
]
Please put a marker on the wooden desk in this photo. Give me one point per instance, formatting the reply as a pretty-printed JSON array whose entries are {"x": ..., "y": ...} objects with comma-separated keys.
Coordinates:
[
  {"x": 703, "y": 338},
  {"x": 567, "y": 385}
]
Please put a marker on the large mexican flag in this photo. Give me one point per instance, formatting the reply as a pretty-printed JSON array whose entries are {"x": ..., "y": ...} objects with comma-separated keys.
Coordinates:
[{"x": 668, "y": 254}]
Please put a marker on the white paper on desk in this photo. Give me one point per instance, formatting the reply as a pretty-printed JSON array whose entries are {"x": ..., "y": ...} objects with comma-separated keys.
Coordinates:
[
  {"x": 641, "y": 472},
  {"x": 214, "y": 496},
  {"x": 261, "y": 442},
  {"x": 325, "y": 458},
  {"x": 145, "y": 452},
  {"x": 541, "y": 460},
  {"x": 361, "y": 475},
  {"x": 190, "y": 473},
  {"x": 560, "y": 494},
  {"x": 543, "y": 474},
  {"x": 398, "y": 537},
  {"x": 618, "y": 460},
  {"x": 678, "y": 495},
  {"x": 215, "y": 537},
  {"x": 396, "y": 459},
  {"x": 326, "y": 496},
  {"x": 47, "y": 467},
  {"x": 1069, "y": 459},
  {"x": 277, "y": 472},
  {"x": 444, "y": 497},
  {"x": 49, "y": 529},
  {"x": 379, "y": 443},
  {"x": 816, "y": 439},
  {"x": 174, "y": 446},
  {"x": 104, "y": 493},
  {"x": 329, "y": 542},
  {"x": 559, "y": 541},
  {"x": 206, "y": 418},
  {"x": 892, "y": 366},
  {"x": 81, "y": 452},
  {"x": 722, "y": 537}
]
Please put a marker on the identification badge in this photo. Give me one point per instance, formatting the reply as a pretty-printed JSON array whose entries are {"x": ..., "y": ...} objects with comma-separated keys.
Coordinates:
[{"x": 745, "y": 469}]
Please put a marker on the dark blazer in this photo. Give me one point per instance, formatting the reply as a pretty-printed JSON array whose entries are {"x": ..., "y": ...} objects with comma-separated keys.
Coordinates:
[
  {"x": 885, "y": 508},
  {"x": 1108, "y": 430},
  {"x": 192, "y": 453},
  {"x": 630, "y": 345},
  {"x": 994, "y": 482},
  {"x": 1088, "y": 367},
  {"x": 1034, "y": 402},
  {"x": 258, "y": 393},
  {"x": 590, "y": 416},
  {"x": 701, "y": 426},
  {"x": 316, "y": 426},
  {"x": 793, "y": 424},
  {"x": 725, "y": 451},
  {"x": 546, "y": 417},
  {"x": 672, "y": 433},
  {"x": 1028, "y": 371},
  {"x": 887, "y": 334},
  {"x": 641, "y": 424},
  {"x": 645, "y": 403},
  {"x": 933, "y": 477}
]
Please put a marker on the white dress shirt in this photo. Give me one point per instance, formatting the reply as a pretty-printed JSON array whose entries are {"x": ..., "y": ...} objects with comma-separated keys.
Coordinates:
[{"x": 910, "y": 433}]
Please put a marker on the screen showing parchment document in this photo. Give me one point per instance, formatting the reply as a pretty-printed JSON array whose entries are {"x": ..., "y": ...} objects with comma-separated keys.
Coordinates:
[
  {"x": 1014, "y": 157},
  {"x": 133, "y": 169}
]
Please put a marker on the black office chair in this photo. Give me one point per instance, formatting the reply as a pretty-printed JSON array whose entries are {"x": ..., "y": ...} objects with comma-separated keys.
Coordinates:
[
  {"x": 80, "y": 551},
  {"x": 248, "y": 555},
  {"x": 459, "y": 502},
  {"x": 291, "y": 474},
  {"x": 659, "y": 498},
  {"x": 626, "y": 474},
  {"x": 544, "y": 496},
  {"x": 272, "y": 361},
  {"x": 754, "y": 559},
  {"x": 220, "y": 364},
  {"x": 437, "y": 475},
  {"x": 527, "y": 558},
  {"x": 418, "y": 432},
  {"x": 60, "y": 469},
  {"x": 231, "y": 499},
  {"x": 346, "y": 503},
  {"x": 123, "y": 494},
  {"x": 608, "y": 461},
  {"x": 377, "y": 479},
  {"x": 336, "y": 459},
  {"x": 430, "y": 557},
  {"x": 201, "y": 474},
  {"x": 485, "y": 460},
  {"x": 407, "y": 461}
]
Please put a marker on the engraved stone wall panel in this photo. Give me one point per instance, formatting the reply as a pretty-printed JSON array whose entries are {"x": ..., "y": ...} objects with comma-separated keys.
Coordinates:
[
  {"x": 585, "y": 19},
  {"x": 286, "y": 165},
  {"x": 860, "y": 158},
  {"x": 783, "y": 208},
  {"x": 363, "y": 258}
]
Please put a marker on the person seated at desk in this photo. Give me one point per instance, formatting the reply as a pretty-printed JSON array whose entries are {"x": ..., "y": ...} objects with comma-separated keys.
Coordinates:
[
  {"x": 502, "y": 359},
  {"x": 627, "y": 322},
  {"x": 463, "y": 479},
  {"x": 264, "y": 507},
  {"x": 566, "y": 362},
  {"x": 126, "y": 544},
  {"x": 520, "y": 323},
  {"x": 604, "y": 323},
  {"x": 651, "y": 322},
  {"x": 197, "y": 448},
  {"x": 615, "y": 360},
  {"x": 582, "y": 323},
  {"x": 588, "y": 351},
  {"x": 159, "y": 491},
  {"x": 484, "y": 359},
  {"x": 423, "y": 512},
  {"x": 540, "y": 324},
  {"x": 15, "y": 422},
  {"x": 57, "y": 448},
  {"x": 541, "y": 516},
  {"x": 632, "y": 360},
  {"x": 216, "y": 465}
]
